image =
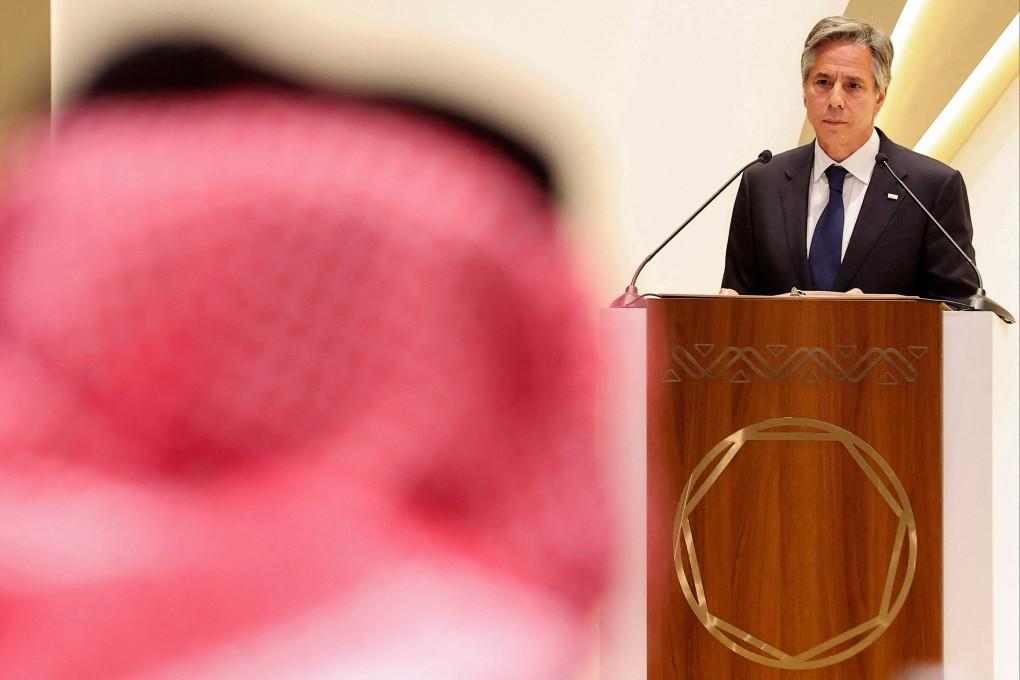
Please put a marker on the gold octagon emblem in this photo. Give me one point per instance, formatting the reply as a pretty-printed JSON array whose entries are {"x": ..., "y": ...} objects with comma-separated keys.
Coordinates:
[{"x": 845, "y": 644}]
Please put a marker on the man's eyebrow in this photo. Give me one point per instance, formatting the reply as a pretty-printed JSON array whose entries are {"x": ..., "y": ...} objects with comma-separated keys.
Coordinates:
[{"x": 828, "y": 76}]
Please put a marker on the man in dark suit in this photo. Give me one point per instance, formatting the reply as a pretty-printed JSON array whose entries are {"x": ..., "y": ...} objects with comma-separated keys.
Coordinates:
[{"x": 797, "y": 222}]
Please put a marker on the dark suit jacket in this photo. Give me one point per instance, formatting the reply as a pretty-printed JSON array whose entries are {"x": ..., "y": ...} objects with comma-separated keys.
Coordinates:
[{"x": 894, "y": 248}]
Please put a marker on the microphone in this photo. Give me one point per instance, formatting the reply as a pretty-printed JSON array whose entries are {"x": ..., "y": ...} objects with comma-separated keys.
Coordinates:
[
  {"x": 979, "y": 301},
  {"x": 630, "y": 297}
]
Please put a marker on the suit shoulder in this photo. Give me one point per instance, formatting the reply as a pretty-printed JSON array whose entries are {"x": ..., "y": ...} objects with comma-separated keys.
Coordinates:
[
  {"x": 903, "y": 160},
  {"x": 784, "y": 163}
]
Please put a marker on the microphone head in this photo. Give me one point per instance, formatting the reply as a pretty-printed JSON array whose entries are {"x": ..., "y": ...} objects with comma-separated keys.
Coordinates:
[
  {"x": 881, "y": 158},
  {"x": 765, "y": 156}
]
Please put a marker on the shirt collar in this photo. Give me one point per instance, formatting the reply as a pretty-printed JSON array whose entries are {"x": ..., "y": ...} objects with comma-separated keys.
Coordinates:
[{"x": 860, "y": 164}]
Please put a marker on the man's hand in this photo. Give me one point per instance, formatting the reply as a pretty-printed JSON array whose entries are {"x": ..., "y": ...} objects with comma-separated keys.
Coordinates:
[{"x": 730, "y": 291}]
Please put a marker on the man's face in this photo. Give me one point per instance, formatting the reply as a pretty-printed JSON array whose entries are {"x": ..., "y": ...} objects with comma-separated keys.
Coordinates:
[{"x": 841, "y": 98}]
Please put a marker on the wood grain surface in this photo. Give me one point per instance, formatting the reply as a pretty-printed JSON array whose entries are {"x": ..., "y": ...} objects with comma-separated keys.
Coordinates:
[{"x": 793, "y": 539}]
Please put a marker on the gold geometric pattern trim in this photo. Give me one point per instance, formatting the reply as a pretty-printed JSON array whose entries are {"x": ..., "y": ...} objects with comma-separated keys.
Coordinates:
[
  {"x": 890, "y": 364},
  {"x": 688, "y": 571}
]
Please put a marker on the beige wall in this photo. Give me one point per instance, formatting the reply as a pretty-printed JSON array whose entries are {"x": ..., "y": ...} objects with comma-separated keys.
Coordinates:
[
  {"x": 24, "y": 65},
  {"x": 24, "y": 57},
  {"x": 990, "y": 163}
]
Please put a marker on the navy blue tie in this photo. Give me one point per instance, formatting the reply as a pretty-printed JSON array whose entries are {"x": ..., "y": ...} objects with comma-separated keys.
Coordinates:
[{"x": 827, "y": 242}]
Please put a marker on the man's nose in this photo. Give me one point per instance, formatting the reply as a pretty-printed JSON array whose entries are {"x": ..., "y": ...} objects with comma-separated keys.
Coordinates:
[{"x": 836, "y": 100}]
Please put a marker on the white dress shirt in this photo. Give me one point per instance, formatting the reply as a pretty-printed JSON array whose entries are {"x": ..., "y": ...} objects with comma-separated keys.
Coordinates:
[{"x": 859, "y": 167}]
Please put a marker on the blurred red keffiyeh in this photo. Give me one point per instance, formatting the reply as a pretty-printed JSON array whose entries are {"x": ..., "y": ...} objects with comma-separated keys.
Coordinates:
[{"x": 293, "y": 387}]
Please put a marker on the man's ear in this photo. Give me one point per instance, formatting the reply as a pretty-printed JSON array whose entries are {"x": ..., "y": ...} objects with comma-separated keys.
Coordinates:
[{"x": 881, "y": 100}]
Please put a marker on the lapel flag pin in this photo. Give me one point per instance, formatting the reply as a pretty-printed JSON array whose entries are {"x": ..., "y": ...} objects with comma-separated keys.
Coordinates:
[{"x": 892, "y": 197}]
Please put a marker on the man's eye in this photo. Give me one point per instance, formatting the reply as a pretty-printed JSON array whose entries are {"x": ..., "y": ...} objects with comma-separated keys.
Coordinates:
[
  {"x": 855, "y": 86},
  {"x": 822, "y": 81}
]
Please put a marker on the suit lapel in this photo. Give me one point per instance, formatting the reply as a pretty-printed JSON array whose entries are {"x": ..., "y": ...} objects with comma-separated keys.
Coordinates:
[
  {"x": 877, "y": 212},
  {"x": 793, "y": 200}
]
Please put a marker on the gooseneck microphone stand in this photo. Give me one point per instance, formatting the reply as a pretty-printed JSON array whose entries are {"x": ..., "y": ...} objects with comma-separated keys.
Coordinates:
[
  {"x": 630, "y": 297},
  {"x": 979, "y": 301}
]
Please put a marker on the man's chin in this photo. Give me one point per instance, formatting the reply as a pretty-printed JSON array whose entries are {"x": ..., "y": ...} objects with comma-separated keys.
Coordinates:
[
  {"x": 838, "y": 146},
  {"x": 831, "y": 135}
]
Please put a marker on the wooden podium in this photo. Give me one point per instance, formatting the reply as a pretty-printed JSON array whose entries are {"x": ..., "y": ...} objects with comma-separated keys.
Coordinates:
[{"x": 793, "y": 497}]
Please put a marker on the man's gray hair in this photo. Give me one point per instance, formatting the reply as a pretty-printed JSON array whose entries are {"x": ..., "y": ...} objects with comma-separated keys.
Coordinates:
[{"x": 842, "y": 29}]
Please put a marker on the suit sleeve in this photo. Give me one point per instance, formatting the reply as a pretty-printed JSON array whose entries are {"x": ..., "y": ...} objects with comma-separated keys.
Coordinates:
[
  {"x": 741, "y": 271},
  {"x": 947, "y": 273}
]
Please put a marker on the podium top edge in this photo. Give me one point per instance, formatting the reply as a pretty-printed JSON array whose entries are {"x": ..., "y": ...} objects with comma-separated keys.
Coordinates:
[
  {"x": 787, "y": 296},
  {"x": 642, "y": 301}
]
